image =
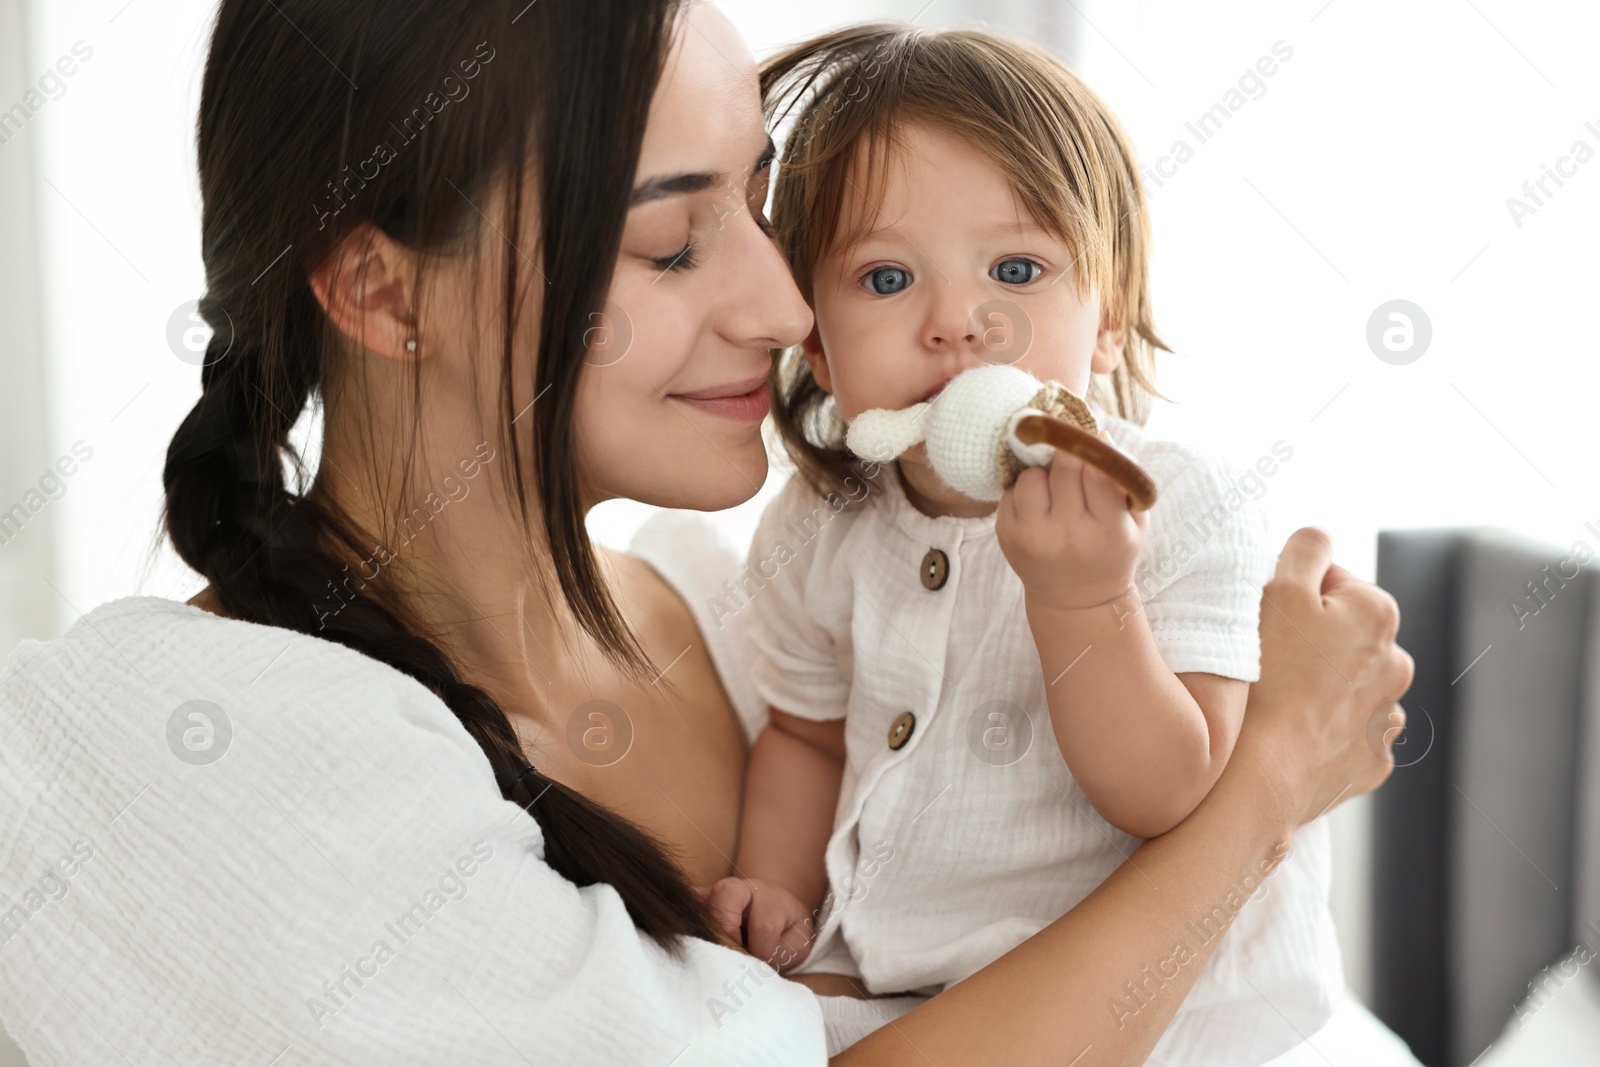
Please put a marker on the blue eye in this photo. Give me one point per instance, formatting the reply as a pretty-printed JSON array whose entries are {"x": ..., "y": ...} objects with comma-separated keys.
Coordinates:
[
  {"x": 1016, "y": 271},
  {"x": 886, "y": 281}
]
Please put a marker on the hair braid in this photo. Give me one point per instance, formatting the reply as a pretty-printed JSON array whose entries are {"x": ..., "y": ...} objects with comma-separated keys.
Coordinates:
[{"x": 269, "y": 552}]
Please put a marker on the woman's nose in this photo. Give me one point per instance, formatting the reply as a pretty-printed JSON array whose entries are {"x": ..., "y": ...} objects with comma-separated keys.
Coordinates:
[{"x": 773, "y": 313}]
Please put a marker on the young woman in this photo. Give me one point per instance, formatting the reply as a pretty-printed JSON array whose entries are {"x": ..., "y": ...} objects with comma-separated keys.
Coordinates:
[{"x": 341, "y": 807}]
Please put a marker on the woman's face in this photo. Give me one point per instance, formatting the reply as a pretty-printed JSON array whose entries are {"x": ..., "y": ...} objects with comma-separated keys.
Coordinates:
[{"x": 670, "y": 402}]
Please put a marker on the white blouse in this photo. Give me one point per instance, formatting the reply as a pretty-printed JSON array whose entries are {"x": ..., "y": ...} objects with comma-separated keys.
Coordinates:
[
  {"x": 228, "y": 843},
  {"x": 959, "y": 830}
]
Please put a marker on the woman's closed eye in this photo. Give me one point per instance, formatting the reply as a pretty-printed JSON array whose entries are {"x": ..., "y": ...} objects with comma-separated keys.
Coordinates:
[
  {"x": 683, "y": 259},
  {"x": 1016, "y": 270}
]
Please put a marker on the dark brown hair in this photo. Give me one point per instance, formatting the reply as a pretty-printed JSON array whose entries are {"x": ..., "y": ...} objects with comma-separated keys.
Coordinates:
[
  {"x": 293, "y": 156},
  {"x": 1062, "y": 150}
]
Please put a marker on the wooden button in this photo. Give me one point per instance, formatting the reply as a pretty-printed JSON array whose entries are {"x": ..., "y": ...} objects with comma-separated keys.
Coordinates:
[
  {"x": 935, "y": 569},
  {"x": 901, "y": 729}
]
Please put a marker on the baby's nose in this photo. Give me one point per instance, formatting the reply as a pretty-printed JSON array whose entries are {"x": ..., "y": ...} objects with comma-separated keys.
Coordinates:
[{"x": 952, "y": 322}]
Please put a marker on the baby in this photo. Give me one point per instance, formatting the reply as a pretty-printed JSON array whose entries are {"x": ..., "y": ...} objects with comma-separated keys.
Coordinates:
[{"x": 978, "y": 710}]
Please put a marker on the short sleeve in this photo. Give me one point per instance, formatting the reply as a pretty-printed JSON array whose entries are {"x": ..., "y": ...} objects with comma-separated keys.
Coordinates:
[
  {"x": 785, "y": 594},
  {"x": 344, "y": 885},
  {"x": 1205, "y": 561}
]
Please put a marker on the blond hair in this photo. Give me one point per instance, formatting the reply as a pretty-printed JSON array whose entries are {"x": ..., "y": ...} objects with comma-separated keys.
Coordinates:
[{"x": 1061, "y": 149}]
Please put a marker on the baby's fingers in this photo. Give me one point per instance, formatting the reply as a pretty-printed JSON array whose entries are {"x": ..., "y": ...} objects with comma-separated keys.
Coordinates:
[
  {"x": 728, "y": 900},
  {"x": 1107, "y": 501},
  {"x": 1029, "y": 496},
  {"x": 777, "y": 929},
  {"x": 1067, "y": 486},
  {"x": 764, "y": 930}
]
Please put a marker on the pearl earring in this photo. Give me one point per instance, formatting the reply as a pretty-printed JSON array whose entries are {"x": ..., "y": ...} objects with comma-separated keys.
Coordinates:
[{"x": 411, "y": 345}]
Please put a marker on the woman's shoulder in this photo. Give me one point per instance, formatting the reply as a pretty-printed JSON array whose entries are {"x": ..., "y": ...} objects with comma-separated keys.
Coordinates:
[
  {"x": 152, "y": 639},
  {"x": 150, "y": 675},
  {"x": 221, "y": 793}
]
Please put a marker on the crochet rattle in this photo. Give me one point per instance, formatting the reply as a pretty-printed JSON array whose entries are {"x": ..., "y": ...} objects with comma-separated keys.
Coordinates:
[{"x": 991, "y": 422}]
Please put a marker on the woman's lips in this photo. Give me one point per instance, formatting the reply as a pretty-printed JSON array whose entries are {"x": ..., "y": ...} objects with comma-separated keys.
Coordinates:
[{"x": 746, "y": 401}]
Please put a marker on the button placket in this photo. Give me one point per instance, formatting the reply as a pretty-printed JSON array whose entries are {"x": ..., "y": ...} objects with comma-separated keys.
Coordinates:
[{"x": 934, "y": 573}]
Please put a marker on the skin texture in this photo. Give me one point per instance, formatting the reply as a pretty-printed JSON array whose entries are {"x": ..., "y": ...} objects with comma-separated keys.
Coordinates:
[
  {"x": 480, "y": 589},
  {"x": 1145, "y": 744}
]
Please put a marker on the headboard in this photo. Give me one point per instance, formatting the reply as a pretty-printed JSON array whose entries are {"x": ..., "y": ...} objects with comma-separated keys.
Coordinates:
[{"x": 1486, "y": 842}]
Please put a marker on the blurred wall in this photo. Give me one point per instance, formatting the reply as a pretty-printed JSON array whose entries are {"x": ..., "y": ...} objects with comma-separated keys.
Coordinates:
[{"x": 28, "y": 524}]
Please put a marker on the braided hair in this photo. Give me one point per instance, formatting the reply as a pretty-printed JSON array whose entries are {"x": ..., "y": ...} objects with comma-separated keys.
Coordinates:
[{"x": 286, "y": 162}]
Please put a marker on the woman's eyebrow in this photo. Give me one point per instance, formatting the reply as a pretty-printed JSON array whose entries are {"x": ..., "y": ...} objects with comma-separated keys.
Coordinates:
[
  {"x": 672, "y": 185},
  {"x": 690, "y": 181}
]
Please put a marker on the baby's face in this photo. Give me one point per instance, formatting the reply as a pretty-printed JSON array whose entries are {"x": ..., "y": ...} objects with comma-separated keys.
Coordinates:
[{"x": 953, "y": 273}]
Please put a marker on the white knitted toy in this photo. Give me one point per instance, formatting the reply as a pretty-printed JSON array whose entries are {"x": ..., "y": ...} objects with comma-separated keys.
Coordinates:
[{"x": 987, "y": 425}]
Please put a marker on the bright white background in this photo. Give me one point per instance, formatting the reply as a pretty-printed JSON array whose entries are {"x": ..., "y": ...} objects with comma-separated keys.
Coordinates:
[{"x": 1376, "y": 166}]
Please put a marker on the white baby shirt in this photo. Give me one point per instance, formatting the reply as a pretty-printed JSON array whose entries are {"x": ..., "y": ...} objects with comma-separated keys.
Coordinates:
[{"x": 959, "y": 831}]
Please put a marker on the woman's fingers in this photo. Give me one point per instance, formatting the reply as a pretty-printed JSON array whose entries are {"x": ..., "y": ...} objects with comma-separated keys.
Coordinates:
[
  {"x": 1383, "y": 609},
  {"x": 1402, "y": 669},
  {"x": 1336, "y": 578},
  {"x": 1385, "y": 730},
  {"x": 1342, "y": 589},
  {"x": 1331, "y": 675},
  {"x": 1304, "y": 563}
]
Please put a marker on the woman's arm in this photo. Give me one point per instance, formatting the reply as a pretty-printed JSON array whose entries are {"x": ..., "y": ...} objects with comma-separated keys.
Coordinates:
[{"x": 1329, "y": 667}]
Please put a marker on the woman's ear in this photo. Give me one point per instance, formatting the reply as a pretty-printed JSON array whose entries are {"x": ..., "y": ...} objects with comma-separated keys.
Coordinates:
[
  {"x": 817, "y": 360},
  {"x": 365, "y": 288},
  {"x": 1108, "y": 344}
]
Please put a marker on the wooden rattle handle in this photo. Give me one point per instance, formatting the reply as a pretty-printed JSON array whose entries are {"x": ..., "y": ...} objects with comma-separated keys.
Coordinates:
[{"x": 1093, "y": 450}]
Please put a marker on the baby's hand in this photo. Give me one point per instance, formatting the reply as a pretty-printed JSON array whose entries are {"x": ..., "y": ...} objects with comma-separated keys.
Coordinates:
[
  {"x": 768, "y": 920},
  {"x": 1069, "y": 534}
]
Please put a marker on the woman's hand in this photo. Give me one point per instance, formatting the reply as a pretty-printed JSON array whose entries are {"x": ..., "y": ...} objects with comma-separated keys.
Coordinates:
[{"x": 1320, "y": 722}]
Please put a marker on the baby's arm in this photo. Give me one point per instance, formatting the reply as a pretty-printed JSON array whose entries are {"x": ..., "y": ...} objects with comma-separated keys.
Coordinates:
[
  {"x": 1144, "y": 744},
  {"x": 790, "y": 793},
  {"x": 779, "y": 882}
]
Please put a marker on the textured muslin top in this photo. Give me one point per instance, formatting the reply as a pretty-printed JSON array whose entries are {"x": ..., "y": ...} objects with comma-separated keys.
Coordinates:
[{"x": 960, "y": 831}]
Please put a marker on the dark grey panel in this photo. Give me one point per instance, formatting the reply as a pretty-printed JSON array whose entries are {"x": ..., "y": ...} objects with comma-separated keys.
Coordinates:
[
  {"x": 1479, "y": 845},
  {"x": 1515, "y": 777},
  {"x": 1411, "y": 813}
]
